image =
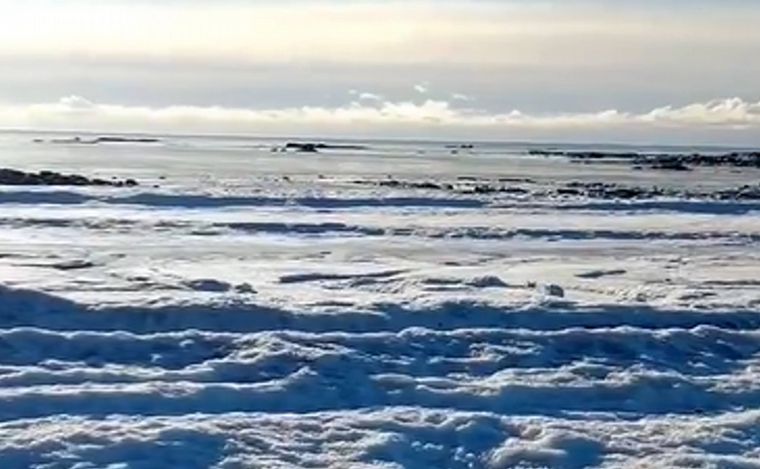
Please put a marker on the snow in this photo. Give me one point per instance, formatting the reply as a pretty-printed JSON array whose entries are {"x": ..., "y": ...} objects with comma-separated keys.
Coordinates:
[
  {"x": 386, "y": 438},
  {"x": 233, "y": 318}
]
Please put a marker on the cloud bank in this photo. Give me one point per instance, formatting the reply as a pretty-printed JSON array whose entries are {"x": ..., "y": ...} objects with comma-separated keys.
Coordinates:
[
  {"x": 429, "y": 117},
  {"x": 263, "y": 59}
]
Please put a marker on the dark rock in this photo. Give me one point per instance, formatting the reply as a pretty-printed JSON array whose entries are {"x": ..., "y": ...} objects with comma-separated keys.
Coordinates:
[
  {"x": 12, "y": 177},
  {"x": 514, "y": 190},
  {"x": 302, "y": 147},
  {"x": 524, "y": 180},
  {"x": 97, "y": 140},
  {"x": 126, "y": 140},
  {"x": 483, "y": 189},
  {"x": 308, "y": 147},
  {"x": 428, "y": 185},
  {"x": 584, "y": 155},
  {"x": 568, "y": 191},
  {"x": 389, "y": 183},
  {"x": 425, "y": 185},
  {"x": 662, "y": 161},
  {"x": 627, "y": 193}
]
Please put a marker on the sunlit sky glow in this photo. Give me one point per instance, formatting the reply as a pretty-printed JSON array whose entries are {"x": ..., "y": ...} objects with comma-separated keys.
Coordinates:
[{"x": 671, "y": 71}]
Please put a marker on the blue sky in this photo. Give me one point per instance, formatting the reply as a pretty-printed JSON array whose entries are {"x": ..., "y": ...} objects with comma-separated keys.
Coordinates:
[{"x": 608, "y": 70}]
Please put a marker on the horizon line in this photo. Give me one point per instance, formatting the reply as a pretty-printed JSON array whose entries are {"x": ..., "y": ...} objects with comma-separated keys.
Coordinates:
[{"x": 388, "y": 139}]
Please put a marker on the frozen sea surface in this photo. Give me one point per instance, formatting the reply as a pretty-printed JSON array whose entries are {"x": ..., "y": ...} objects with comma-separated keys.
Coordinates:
[{"x": 246, "y": 308}]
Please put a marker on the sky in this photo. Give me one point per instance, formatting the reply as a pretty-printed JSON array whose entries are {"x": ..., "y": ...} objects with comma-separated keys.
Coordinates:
[{"x": 667, "y": 71}]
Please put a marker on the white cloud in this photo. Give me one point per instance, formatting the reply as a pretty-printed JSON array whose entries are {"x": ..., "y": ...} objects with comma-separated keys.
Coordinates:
[
  {"x": 421, "y": 88},
  {"x": 76, "y": 102},
  {"x": 369, "y": 97},
  {"x": 733, "y": 112},
  {"x": 387, "y": 118}
]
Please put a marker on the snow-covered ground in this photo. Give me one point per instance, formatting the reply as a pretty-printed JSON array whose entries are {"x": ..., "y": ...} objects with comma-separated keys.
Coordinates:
[{"x": 243, "y": 308}]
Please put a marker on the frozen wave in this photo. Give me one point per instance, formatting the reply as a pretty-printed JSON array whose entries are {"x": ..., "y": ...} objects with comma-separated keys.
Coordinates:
[
  {"x": 26, "y": 308},
  {"x": 239, "y": 316}
]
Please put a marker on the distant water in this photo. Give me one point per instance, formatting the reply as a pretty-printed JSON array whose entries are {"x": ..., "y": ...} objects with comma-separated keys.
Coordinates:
[{"x": 228, "y": 156}]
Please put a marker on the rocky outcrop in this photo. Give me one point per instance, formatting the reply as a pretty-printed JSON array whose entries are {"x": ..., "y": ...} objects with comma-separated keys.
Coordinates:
[
  {"x": 98, "y": 140},
  {"x": 595, "y": 190},
  {"x": 302, "y": 147},
  {"x": 663, "y": 161},
  {"x": 13, "y": 177},
  {"x": 308, "y": 147}
]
